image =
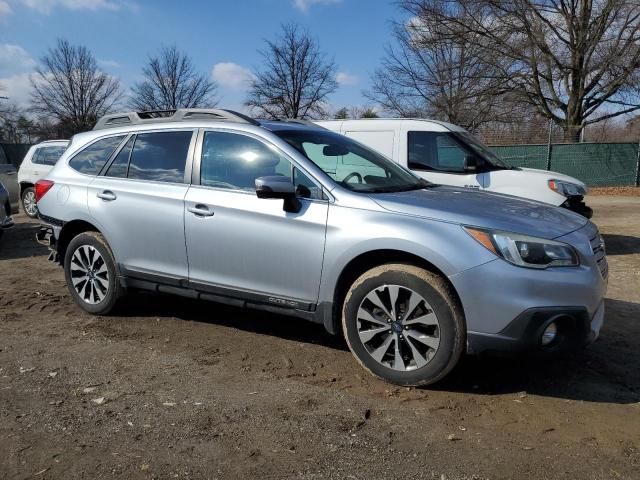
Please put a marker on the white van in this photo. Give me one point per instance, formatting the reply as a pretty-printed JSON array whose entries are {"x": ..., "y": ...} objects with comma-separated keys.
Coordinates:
[
  {"x": 449, "y": 155},
  {"x": 36, "y": 164}
]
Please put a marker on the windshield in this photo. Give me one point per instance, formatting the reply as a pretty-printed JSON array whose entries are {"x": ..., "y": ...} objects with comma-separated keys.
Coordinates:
[
  {"x": 351, "y": 164},
  {"x": 481, "y": 150}
]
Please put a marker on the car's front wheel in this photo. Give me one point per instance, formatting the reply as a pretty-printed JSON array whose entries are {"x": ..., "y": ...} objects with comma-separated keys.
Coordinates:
[
  {"x": 29, "y": 202},
  {"x": 90, "y": 272},
  {"x": 404, "y": 324}
]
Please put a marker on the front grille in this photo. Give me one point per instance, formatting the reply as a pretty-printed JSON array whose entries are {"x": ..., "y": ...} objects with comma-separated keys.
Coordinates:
[{"x": 597, "y": 247}]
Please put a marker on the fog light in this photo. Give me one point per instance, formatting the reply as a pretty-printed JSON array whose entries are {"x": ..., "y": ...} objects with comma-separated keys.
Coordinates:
[{"x": 549, "y": 335}]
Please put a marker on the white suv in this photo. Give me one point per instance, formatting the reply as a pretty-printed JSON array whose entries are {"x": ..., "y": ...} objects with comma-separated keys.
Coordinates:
[{"x": 38, "y": 161}]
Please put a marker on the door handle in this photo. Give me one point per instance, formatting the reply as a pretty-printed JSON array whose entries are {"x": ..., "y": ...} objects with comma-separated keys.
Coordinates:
[
  {"x": 200, "y": 210},
  {"x": 107, "y": 195},
  {"x": 11, "y": 173}
]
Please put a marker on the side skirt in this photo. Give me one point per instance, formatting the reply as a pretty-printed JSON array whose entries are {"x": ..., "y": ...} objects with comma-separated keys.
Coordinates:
[{"x": 240, "y": 299}]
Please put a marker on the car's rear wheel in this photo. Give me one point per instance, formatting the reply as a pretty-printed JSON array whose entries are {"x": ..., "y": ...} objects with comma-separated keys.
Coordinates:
[
  {"x": 90, "y": 272},
  {"x": 29, "y": 202},
  {"x": 404, "y": 324}
]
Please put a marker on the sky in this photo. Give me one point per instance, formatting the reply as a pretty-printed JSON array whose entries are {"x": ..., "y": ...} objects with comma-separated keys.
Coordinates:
[{"x": 221, "y": 36}]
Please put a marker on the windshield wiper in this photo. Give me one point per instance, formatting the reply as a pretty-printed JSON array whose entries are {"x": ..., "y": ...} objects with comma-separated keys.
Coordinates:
[{"x": 403, "y": 188}]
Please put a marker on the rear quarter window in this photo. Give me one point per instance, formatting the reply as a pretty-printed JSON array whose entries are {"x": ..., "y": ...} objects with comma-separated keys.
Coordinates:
[
  {"x": 91, "y": 160},
  {"x": 50, "y": 155}
]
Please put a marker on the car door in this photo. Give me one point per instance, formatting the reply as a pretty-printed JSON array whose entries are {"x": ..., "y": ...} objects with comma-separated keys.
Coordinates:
[
  {"x": 9, "y": 178},
  {"x": 241, "y": 245},
  {"x": 439, "y": 158},
  {"x": 139, "y": 202}
]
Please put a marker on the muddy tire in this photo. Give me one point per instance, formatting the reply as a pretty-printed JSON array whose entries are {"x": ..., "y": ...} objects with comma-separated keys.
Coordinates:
[
  {"x": 404, "y": 324},
  {"x": 90, "y": 272}
]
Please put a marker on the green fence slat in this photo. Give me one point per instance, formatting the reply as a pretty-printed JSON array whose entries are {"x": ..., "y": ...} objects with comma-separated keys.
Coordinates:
[{"x": 596, "y": 164}]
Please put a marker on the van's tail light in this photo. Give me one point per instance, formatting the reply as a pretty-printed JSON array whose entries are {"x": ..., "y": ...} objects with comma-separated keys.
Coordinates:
[{"x": 42, "y": 187}]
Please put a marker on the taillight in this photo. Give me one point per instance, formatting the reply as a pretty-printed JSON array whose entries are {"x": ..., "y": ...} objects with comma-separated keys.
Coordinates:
[{"x": 42, "y": 187}]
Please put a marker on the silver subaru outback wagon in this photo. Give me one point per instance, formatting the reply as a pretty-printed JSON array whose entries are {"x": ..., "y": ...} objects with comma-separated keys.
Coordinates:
[{"x": 292, "y": 218}]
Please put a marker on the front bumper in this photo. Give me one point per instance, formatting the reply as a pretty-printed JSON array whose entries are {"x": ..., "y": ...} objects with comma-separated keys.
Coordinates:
[
  {"x": 507, "y": 308},
  {"x": 576, "y": 328},
  {"x": 577, "y": 204}
]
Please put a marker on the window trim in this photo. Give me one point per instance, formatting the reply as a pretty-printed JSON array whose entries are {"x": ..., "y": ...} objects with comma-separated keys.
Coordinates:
[
  {"x": 188, "y": 159},
  {"x": 107, "y": 166},
  {"x": 195, "y": 175}
]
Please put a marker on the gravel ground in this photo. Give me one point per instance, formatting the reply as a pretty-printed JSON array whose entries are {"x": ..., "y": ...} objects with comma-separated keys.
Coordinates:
[{"x": 171, "y": 388}]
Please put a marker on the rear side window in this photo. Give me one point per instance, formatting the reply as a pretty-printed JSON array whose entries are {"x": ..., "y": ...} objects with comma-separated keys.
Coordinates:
[
  {"x": 91, "y": 160},
  {"x": 160, "y": 156},
  {"x": 48, "y": 155}
]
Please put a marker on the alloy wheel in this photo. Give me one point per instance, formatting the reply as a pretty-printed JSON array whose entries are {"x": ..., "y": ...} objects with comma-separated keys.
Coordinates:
[
  {"x": 29, "y": 203},
  {"x": 398, "y": 328},
  {"x": 89, "y": 274}
]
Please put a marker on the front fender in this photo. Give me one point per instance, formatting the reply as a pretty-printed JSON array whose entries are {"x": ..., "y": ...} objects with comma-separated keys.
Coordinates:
[{"x": 354, "y": 232}]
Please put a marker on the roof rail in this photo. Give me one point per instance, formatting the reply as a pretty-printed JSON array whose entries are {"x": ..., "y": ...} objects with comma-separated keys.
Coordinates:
[
  {"x": 178, "y": 115},
  {"x": 300, "y": 121}
]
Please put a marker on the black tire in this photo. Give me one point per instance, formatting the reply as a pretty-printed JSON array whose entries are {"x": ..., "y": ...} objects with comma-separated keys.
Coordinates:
[
  {"x": 28, "y": 196},
  {"x": 90, "y": 300},
  {"x": 450, "y": 331}
]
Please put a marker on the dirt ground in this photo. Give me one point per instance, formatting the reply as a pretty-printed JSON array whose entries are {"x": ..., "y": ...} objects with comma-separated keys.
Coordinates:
[{"x": 173, "y": 388}]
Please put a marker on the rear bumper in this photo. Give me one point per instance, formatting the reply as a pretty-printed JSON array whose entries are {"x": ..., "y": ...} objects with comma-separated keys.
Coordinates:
[
  {"x": 46, "y": 236},
  {"x": 576, "y": 328}
]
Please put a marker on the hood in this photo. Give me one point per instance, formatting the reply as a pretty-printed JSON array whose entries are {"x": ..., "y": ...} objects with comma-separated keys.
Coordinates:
[
  {"x": 483, "y": 209},
  {"x": 555, "y": 175}
]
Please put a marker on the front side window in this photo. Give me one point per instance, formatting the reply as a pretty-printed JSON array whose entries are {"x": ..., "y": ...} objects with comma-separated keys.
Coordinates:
[
  {"x": 234, "y": 161},
  {"x": 48, "y": 155},
  {"x": 446, "y": 152},
  {"x": 91, "y": 160},
  {"x": 437, "y": 151},
  {"x": 349, "y": 163},
  {"x": 160, "y": 156}
]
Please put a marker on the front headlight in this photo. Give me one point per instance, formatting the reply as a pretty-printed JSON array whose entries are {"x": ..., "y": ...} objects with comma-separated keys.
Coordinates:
[
  {"x": 567, "y": 189},
  {"x": 526, "y": 251}
]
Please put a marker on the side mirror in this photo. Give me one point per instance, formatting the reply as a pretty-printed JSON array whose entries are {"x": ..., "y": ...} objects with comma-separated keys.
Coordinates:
[
  {"x": 278, "y": 186},
  {"x": 470, "y": 163}
]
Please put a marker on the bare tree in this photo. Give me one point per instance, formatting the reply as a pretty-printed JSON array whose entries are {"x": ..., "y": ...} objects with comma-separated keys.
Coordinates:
[
  {"x": 575, "y": 61},
  {"x": 69, "y": 87},
  {"x": 171, "y": 81},
  {"x": 296, "y": 80},
  {"x": 341, "y": 114},
  {"x": 430, "y": 72}
]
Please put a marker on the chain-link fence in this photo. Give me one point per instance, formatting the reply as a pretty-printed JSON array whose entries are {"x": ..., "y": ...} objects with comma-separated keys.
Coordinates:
[
  {"x": 604, "y": 154},
  {"x": 596, "y": 164}
]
